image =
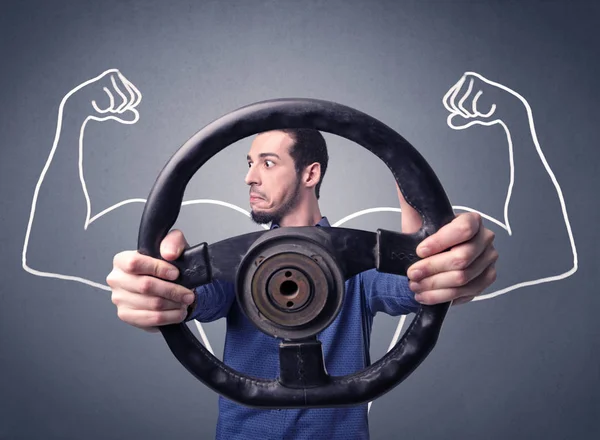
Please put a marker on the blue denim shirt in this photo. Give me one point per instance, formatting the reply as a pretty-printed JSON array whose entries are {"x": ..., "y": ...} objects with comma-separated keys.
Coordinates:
[{"x": 345, "y": 344}]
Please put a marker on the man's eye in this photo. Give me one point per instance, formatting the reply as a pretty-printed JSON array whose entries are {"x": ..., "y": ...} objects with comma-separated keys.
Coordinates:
[
  {"x": 269, "y": 163},
  {"x": 249, "y": 164}
]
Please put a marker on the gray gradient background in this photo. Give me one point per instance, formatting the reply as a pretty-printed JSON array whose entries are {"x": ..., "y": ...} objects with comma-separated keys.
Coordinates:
[{"x": 523, "y": 365}]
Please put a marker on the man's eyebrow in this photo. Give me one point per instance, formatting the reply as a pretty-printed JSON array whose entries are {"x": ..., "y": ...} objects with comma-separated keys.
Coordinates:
[{"x": 263, "y": 155}]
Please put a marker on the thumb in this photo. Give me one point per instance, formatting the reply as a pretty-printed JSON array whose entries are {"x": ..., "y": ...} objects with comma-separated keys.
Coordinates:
[
  {"x": 128, "y": 116},
  {"x": 458, "y": 121},
  {"x": 173, "y": 245}
]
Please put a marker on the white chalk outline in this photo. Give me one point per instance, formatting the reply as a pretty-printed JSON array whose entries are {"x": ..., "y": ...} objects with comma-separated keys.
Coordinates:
[
  {"x": 459, "y": 110},
  {"x": 135, "y": 97},
  {"x": 455, "y": 109}
]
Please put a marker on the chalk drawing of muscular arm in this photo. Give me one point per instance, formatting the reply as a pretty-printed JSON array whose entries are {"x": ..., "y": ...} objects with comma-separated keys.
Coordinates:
[
  {"x": 117, "y": 99},
  {"x": 109, "y": 96},
  {"x": 464, "y": 104}
]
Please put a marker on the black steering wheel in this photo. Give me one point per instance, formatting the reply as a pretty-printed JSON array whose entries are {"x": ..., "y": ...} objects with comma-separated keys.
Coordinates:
[{"x": 290, "y": 281}]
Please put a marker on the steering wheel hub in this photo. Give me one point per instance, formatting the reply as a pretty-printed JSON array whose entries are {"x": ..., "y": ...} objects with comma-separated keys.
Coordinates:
[
  {"x": 289, "y": 289},
  {"x": 290, "y": 286}
]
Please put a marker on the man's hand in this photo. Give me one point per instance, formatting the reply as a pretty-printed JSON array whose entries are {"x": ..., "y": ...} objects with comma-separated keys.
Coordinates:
[
  {"x": 142, "y": 287},
  {"x": 461, "y": 273}
]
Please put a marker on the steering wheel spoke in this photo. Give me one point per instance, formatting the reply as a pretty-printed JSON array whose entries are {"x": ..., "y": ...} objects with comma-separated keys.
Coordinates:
[
  {"x": 226, "y": 255},
  {"x": 301, "y": 364},
  {"x": 387, "y": 251},
  {"x": 203, "y": 263},
  {"x": 396, "y": 252},
  {"x": 194, "y": 266}
]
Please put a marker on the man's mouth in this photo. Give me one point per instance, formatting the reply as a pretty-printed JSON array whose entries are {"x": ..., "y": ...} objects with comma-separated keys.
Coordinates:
[{"x": 255, "y": 196}]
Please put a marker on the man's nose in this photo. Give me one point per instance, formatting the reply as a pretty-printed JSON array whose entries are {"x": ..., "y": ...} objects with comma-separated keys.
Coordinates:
[{"x": 252, "y": 177}]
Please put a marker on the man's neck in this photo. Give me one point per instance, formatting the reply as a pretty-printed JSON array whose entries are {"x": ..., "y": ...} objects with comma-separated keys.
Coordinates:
[
  {"x": 300, "y": 220},
  {"x": 307, "y": 214}
]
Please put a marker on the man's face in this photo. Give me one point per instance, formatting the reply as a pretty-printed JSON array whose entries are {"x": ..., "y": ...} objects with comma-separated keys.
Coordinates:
[{"x": 274, "y": 183}]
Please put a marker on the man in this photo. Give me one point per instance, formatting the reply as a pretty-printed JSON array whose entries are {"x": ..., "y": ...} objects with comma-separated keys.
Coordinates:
[{"x": 286, "y": 169}]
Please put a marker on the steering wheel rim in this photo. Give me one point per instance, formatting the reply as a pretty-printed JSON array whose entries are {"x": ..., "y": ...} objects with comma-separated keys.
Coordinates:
[{"x": 421, "y": 190}]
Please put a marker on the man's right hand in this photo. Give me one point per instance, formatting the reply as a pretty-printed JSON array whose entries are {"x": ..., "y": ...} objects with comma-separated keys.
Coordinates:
[{"x": 143, "y": 289}]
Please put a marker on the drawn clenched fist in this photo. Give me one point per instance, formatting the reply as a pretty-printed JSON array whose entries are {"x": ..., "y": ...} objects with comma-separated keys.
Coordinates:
[
  {"x": 472, "y": 100},
  {"x": 109, "y": 96}
]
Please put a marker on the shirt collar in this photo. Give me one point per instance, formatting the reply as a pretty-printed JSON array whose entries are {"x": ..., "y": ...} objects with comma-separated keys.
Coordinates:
[{"x": 322, "y": 223}]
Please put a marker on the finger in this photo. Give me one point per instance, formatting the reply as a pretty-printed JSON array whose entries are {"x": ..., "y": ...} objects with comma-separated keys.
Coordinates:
[
  {"x": 111, "y": 98},
  {"x": 124, "y": 298},
  {"x": 124, "y": 100},
  {"x": 477, "y": 112},
  {"x": 444, "y": 279},
  {"x": 464, "y": 98},
  {"x": 453, "y": 96},
  {"x": 461, "y": 229},
  {"x": 458, "y": 258},
  {"x": 132, "y": 97},
  {"x": 474, "y": 103},
  {"x": 475, "y": 288},
  {"x": 460, "y": 96},
  {"x": 134, "y": 89},
  {"x": 173, "y": 245},
  {"x": 446, "y": 98},
  {"x": 98, "y": 109},
  {"x": 110, "y": 105},
  {"x": 148, "y": 318},
  {"x": 151, "y": 286},
  {"x": 134, "y": 263},
  {"x": 129, "y": 102}
]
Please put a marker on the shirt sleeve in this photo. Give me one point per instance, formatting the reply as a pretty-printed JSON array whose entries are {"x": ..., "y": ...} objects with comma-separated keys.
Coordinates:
[
  {"x": 213, "y": 301},
  {"x": 388, "y": 293}
]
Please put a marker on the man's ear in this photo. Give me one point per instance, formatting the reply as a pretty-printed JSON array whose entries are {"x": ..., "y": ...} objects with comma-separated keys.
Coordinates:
[{"x": 312, "y": 175}]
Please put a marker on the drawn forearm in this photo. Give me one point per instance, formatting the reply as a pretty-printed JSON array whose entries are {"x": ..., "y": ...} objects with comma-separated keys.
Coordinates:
[
  {"x": 530, "y": 177},
  {"x": 535, "y": 219}
]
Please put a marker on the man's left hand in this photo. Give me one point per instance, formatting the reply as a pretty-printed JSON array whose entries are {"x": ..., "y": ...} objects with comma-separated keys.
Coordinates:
[{"x": 461, "y": 273}]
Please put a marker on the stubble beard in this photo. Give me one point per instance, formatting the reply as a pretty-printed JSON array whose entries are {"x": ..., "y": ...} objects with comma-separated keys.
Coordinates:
[{"x": 263, "y": 218}]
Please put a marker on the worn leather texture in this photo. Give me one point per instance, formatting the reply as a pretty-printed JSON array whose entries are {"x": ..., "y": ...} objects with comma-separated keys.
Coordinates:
[{"x": 420, "y": 188}]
